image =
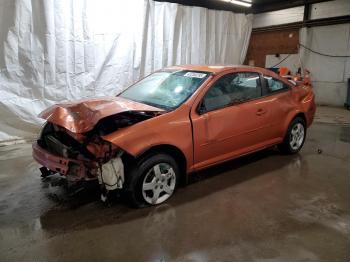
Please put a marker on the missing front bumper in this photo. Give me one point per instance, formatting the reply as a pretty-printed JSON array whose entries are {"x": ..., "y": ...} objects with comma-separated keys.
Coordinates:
[{"x": 75, "y": 170}]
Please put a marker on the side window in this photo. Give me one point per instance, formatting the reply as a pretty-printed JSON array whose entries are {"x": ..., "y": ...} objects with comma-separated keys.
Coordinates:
[
  {"x": 245, "y": 86},
  {"x": 217, "y": 97},
  {"x": 274, "y": 85},
  {"x": 231, "y": 89}
]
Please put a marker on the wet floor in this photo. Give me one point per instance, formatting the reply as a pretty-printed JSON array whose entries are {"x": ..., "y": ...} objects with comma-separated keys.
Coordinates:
[{"x": 264, "y": 207}]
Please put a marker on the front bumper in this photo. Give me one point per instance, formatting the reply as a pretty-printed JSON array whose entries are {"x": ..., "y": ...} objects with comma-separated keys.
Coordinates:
[{"x": 64, "y": 166}]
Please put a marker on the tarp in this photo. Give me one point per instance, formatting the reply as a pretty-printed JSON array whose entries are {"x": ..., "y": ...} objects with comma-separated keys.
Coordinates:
[
  {"x": 51, "y": 51},
  {"x": 329, "y": 73}
]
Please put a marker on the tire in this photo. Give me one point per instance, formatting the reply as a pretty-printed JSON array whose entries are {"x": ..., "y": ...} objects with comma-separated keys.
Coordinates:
[
  {"x": 296, "y": 131},
  {"x": 152, "y": 181}
]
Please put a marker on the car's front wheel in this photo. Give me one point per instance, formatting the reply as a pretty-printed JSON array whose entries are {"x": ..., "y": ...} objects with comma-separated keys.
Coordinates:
[
  {"x": 153, "y": 180},
  {"x": 295, "y": 137}
]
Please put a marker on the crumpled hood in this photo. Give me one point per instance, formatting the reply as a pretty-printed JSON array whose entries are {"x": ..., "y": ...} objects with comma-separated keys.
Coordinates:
[{"x": 81, "y": 116}]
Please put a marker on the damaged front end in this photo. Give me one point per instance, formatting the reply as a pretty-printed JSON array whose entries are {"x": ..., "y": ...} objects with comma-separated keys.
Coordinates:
[{"x": 81, "y": 157}]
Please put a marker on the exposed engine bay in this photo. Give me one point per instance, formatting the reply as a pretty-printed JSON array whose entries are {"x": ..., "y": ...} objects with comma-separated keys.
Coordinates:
[{"x": 86, "y": 156}]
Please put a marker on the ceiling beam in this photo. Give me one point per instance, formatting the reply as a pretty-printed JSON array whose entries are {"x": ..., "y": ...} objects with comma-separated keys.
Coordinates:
[
  {"x": 211, "y": 4},
  {"x": 262, "y": 8},
  {"x": 307, "y": 23}
]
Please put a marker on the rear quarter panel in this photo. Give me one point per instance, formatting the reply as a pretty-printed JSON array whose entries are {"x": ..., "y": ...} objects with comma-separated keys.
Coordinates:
[
  {"x": 300, "y": 99},
  {"x": 303, "y": 99}
]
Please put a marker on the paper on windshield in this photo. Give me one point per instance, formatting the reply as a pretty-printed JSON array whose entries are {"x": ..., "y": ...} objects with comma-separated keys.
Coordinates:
[{"x": 195, "y": 75}]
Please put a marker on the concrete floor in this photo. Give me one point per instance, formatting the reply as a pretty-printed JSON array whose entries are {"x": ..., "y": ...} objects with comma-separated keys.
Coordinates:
[{"x": 264, "y": 207}]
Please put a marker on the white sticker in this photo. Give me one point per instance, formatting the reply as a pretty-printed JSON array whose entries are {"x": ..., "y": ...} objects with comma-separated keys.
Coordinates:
[{"x": 195, "y": 75}]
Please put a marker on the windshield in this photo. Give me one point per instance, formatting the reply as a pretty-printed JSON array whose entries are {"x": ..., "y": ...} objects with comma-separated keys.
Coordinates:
[{"x": 165, "y": 89}]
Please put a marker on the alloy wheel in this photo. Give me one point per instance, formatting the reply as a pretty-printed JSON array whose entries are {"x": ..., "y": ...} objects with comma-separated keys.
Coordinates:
[
  {"x": 159, "y": 184},
  {"x": 297, "y": 136}
]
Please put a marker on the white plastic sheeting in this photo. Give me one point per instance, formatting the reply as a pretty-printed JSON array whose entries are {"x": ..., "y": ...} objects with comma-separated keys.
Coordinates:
[
  {"x": 329, "y": 75},
  {"x": 52, "y": 51}
]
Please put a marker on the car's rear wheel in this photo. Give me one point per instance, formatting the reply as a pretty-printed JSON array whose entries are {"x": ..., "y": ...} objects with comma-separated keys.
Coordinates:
[
  {"x": 153, "y": 180},
  {"x": 295, "y": 137}
]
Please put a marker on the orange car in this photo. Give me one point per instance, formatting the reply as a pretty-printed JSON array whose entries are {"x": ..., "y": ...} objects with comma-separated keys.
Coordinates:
[{"x": 173, "y": 122}]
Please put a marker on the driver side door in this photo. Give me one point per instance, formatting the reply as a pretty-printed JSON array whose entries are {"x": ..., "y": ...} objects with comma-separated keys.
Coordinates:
[{"x": 230, "y": 120}]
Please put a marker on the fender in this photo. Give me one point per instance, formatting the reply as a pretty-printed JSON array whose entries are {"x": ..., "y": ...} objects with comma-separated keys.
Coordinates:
[{"x": 161, "y": 130}]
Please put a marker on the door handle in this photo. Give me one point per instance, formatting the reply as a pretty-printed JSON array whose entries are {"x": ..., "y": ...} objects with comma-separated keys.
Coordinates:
[{"x": 260, "y": 111}]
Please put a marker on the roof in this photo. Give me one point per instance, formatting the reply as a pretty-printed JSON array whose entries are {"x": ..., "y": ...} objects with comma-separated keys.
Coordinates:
[
  {"x": 217, "y": 69},
  {"x": 212, "y": 68}
]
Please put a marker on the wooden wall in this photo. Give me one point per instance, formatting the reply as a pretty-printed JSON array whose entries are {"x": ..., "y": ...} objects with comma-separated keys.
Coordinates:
[{"x": 270, "y": 43}]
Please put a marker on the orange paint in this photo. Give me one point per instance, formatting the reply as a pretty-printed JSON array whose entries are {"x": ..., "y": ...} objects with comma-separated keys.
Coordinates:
[{"x": 204, "y": 139}]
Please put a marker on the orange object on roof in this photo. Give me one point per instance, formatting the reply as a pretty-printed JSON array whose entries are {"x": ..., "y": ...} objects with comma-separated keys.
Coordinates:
[{"x": 283, "y": 71}]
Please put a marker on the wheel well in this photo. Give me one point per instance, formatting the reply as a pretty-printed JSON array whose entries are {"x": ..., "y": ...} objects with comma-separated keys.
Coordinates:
[
  {"x": 301, "y": 115},
  {"x": 173, "y": 151}
]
